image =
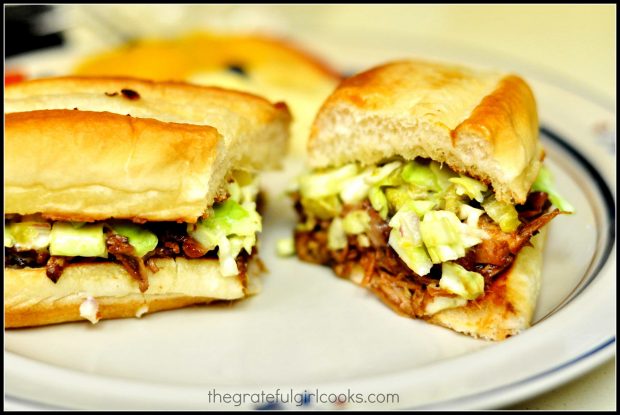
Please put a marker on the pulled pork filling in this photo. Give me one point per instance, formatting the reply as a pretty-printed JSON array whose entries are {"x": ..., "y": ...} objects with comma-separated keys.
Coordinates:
[
  {"x": 414, "y": 231},
  {"x": 227, "y": 232}
]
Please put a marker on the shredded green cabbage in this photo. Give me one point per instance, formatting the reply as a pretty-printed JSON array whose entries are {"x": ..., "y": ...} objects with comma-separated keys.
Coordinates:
[
  {"x": 67, "y": 239},
  {"x": 331, "y": 182},
  {"x": 232, "y": 224},
  {"x": 439, "y": 303},
  {"x": 446, "y": 237},
  {"x": 378, "y": 201},
  {"x": 544, "y": 183},
  {"x": 457, "y": 280},
  {"x": 285, "y": 247},
  {"x": 433, "y": 212},
  {"x": 325, "y": 207},
  {"x": 406, "y": 239},
  {"x": 502, "y": 213},
  {"x": 443, "y": 174},
  {"x": 229, "y": 219},
  {"x": 27, "y": 235},
  {"x": 336, "y": 237},
  {"x": 356, "y": 222},
  {"x": 143, "y": 240},
  {"x": 470, "y": 187},
  {"x": 420, "y": 175}
]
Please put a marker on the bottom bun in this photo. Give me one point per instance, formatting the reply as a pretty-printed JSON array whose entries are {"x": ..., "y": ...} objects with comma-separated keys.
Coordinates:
[
  {"x": 506, "y": 308},
  {"x": 95, "y": 291}
]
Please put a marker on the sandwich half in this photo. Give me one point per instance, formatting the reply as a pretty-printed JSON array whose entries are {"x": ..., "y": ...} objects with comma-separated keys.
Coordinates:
[
  {"x": 427, "y": 188},
  {"x": 124, "y": 197}
]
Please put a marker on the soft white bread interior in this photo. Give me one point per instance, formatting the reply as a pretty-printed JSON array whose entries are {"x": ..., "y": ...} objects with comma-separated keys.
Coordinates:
[
  {"x": 94, "y": 291},
  {"x": 83, "y": 165},
  {"x": 483, "y": 124},
  {"x": 255, "y": 130},
  {"x": 506, "y": 308}
]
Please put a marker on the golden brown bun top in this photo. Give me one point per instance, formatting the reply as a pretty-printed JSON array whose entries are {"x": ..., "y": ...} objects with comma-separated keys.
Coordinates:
[
  {"x": 82, "y": 165},
  {"x": 240, "y": 117},
  {"x": 95, "y": 148},
  {"x": 483, "y": 124}
]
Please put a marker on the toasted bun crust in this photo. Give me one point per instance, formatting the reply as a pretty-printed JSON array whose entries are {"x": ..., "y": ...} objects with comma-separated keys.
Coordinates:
[
  {"x": 481, "y": 124},
  {"x": 251, "y": 126},
  {"x": 506, "y": 308},
  {"x": 83, "y": 165},
  {"x": 32, "y": 299}
]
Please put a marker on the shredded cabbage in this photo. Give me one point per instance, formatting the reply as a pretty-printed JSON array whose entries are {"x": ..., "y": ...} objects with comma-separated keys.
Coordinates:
[
  {"x": 355, "y": 189},
  {"x": 457, "y": 280},
  {"x": 9, "y": 241},
  {"x": 442, "y": 175},
  {"x": 470, "y": 215},
  {"x": 419, "y": 175},
  {"x": 381, "y": 175},
  {"x": 406, "y": 239},
  {"x": 356, "y": 222},
  {"x": 143, "y": 240},
  {"x": 439, "y": 303},
  {"x": 67, "y": 239},
  {"x": 446, "y": 237},
  {"x": 544, "y": 183},
  {"x": 432, "y": 220},
  {"x": 502, "y": 213},
  {"x": 27, "y": 235},
  {"x": 336, "y": 237},
  {"x": 378, "y": 201},
  {"x": 285, "y": 247},
  {"x": 470, "y": 187},
  {"x": 231, "y": 226},
  {"x": 323, "y": 208},
  {"x": 331, "y": 182}
]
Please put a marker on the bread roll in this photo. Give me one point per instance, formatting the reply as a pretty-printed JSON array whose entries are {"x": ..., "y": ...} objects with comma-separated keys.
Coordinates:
[
  {"x": 92, "y": 149},
  {"x": 482, "y": 124},
  {"x": 252, "y": 127},
  {"x": 453, "y": 256},
  {"x": 32, "y": 299},
  {"x": 83, "y": 165}
]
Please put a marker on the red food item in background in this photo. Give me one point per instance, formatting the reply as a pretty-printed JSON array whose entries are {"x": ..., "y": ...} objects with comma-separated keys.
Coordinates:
[{"x": 13, "y": 77}]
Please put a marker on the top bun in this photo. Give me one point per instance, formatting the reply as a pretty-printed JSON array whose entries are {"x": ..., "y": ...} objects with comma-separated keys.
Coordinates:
[
  {"x": 96, "y": 148},
  {"x": 482, "y": 124},
  {"x": 251, "y": 126}
]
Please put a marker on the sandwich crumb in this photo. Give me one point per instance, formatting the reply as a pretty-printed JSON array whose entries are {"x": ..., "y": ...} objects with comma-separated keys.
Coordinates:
[
  {"x": 144, "y": 308},
  {"x": 89, "y": 309}
]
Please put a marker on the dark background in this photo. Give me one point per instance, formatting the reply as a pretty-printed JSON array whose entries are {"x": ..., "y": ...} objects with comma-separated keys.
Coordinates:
[{"x": 23, "y": 29}]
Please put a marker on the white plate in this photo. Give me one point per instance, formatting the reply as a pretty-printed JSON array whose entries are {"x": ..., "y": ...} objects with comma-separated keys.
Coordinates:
[{"x": 312, "y": 337}]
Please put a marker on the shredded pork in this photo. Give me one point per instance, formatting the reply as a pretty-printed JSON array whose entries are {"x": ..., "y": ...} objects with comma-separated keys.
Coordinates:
[{"x": 387, "y": 275}]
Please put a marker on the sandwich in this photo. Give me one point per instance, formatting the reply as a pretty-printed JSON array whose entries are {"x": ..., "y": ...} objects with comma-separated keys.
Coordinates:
[
  {"x": 427, "y": 187},
  {"x": 273, "y": 68},
  {"x": 124, "y": 196}
]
